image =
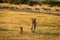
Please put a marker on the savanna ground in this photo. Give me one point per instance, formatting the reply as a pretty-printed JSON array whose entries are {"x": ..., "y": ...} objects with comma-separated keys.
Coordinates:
[{"x": 48, "y": 26}]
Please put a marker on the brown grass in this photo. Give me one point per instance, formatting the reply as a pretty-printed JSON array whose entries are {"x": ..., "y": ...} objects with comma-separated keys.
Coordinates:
[{"x": 48, "y": 26}]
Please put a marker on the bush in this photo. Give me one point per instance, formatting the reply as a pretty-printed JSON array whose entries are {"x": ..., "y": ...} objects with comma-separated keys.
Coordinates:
[
  {"x": 1, "y": 1},
  {"x": 54, "y": 3},
  {"x": 24, "y": 1},
  {"x": 31, "y": 3}
]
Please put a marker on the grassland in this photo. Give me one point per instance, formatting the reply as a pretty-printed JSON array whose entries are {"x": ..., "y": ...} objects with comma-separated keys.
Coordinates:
[{"x": 48, "y": 26}]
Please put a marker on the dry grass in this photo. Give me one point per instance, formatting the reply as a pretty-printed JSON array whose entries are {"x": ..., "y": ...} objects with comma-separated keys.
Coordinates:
[{"x": 48, "y": 26}]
